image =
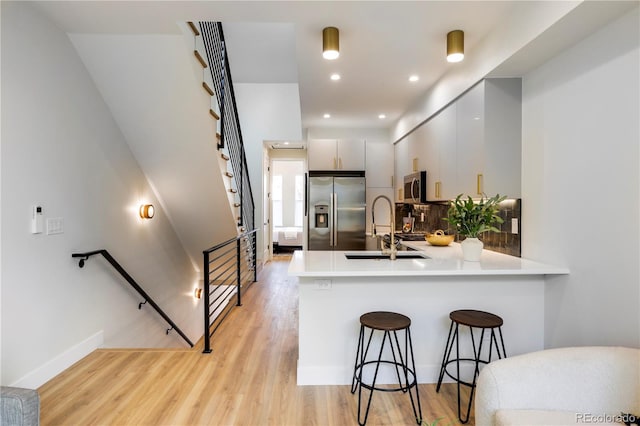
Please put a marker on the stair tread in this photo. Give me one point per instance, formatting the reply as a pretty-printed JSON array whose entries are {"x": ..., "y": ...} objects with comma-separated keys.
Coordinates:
[{"x": 194, "y": 29}]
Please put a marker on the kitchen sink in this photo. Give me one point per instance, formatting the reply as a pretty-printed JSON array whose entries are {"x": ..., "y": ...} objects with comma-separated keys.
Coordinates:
[{"x": 381, "y": 255}]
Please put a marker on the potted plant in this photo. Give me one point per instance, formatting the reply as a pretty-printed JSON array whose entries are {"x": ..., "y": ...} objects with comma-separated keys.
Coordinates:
[{"x": 470, "y": 218}]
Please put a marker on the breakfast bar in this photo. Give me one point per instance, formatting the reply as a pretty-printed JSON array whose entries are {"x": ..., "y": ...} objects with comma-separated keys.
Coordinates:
[{"x": 334, "y": 291}]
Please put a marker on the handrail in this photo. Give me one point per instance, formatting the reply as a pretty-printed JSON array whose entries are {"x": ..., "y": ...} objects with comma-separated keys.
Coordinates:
[
  {"x": 227, "y": 283},
  {"x": 134, "y": 284},
  {"x": 230, "y": 131}
]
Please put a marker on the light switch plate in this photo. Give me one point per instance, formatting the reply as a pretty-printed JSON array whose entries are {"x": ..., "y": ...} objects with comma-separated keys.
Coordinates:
[{"x": 55, "y": 225}]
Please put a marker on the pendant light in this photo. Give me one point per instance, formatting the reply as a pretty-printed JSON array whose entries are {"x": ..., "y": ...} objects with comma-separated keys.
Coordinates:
[
  {"x": 455, "y": 46},
  {"x": 330, "y": 43}
]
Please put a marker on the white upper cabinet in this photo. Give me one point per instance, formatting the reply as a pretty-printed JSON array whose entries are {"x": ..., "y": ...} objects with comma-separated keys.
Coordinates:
[
  {"x": 472, "y": 147},
  {"x": 336, "y": 154},
  {"x": 432, "y": 147},
  {"x": 470, "y": 150},
  {"x": 379, "y": 165},
  {"x": 503, "y": 137},
  {"x": 489, "y": 138},
  {"x": 402, "y": 167},
  {"x": 321, "y": 154},
  {"x": 443, "y": 186}
]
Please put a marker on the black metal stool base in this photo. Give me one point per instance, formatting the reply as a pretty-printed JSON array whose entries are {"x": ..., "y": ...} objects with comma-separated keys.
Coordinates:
[
  {"x": 405, "y": 372},
  {"x": 485, "y": 321}
]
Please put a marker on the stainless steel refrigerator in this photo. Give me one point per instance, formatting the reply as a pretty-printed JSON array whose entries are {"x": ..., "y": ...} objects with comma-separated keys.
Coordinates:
[{"x": 336, "y": 211}]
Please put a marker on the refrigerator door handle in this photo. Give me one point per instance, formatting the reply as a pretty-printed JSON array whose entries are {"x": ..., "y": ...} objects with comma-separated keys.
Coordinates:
[
  {"x": 306, "y": 195},
  {"x": 331, "y": 219},
  {"x": 335, "y": 218}
]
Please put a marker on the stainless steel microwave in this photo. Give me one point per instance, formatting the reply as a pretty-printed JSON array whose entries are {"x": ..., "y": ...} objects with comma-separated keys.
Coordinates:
[{"x": 415, "y": 187}]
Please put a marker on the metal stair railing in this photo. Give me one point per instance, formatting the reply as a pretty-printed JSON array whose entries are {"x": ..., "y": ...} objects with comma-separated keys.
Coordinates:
[
  {"x": 229, "y": 269},
  {"x": 84, "y": 256},
  {"x": 231, "y": 134}
]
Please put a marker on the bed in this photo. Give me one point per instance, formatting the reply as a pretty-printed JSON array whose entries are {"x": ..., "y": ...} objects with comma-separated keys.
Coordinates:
[{"x": 287, "y": 236}]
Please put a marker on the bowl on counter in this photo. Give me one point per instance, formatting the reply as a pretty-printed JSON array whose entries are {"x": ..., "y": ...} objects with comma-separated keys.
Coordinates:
[{"x": 439, "y": 238}]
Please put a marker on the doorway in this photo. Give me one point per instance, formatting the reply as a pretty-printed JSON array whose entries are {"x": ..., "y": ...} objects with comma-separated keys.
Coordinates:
[{"x": 287, "y": 204}]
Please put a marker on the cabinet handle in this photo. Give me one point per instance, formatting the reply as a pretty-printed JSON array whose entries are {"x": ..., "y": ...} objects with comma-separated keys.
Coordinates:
[
  {"x": 392, "y": 180},
  {"x": 335, "y": 163},
  {"x": 479, "y": 183},
  {"x": 438, "y": 189},
  {"x": 340, "y": 163}
]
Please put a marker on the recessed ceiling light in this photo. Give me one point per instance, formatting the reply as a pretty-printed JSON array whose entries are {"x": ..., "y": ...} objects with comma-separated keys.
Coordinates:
[
  {"x": 335, "y": 77},
  {"x": 327, "y": 116},
  {"x": 414, "y": 78},
  {"x": 381, "y": 116},
  {"x": 286, "y": 143}
]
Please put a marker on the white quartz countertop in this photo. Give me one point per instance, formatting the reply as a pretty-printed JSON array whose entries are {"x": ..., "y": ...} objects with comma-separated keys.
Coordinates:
[{"x": 442, "y": 261}]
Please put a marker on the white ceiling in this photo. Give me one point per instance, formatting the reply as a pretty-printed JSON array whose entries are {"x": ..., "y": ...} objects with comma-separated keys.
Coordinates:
[{"x": 381, "y": 44}]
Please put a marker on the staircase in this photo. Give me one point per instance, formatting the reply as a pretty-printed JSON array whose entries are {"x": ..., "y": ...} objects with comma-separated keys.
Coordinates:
[
  {"x": 229, "y": 267},
  {"x": 210, "y": 52}
]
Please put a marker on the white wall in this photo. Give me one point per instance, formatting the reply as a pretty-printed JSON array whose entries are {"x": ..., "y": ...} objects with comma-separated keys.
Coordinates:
[
  {"x": 267, "y": 112},
  {"x": 62, "y": 149},
  {"x": 580, "y": 185}
]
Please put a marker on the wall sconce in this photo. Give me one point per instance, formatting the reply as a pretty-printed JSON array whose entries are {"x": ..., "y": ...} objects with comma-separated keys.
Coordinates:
[
  {"x": 330, "y": 43},
  {"x": 197, "y": 293},
  {"x": 455, "y": 46},
  {"x": 147, "y": 211}
]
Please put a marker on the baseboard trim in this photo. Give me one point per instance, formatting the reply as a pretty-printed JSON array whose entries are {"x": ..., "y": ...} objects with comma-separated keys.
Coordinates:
[{"x": 57, "y": 365}]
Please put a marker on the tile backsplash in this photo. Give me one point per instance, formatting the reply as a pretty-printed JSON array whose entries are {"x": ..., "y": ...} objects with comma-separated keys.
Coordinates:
[{"x": 429, "y": 218}]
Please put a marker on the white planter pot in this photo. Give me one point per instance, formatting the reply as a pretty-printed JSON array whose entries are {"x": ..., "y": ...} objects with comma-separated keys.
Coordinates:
[{"x": 471, "y": 249}]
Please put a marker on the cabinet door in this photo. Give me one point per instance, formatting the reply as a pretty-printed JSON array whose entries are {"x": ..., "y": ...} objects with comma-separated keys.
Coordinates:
[
  {"x": 350, "y": 154},
  {"x": 445, "y": 129},
  {"x": 470, "y": 141},
  {"x": 440, "y": 153},
  {"x": 321, "y": 154},
  {"x": 379, "y": 169},
  {"x": 429, "y": 157},
  {"x": 503, "y": 136},
  {"x": 401, "y": 155}
]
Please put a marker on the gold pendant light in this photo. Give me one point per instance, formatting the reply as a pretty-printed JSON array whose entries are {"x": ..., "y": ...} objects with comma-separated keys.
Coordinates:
[
  {"x": 330, "y": 43},
  {"x": 455, "y": 46}
]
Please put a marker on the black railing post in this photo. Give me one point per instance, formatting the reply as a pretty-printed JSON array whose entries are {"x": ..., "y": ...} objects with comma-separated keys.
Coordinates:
[
  {"x": 238, "y": 269},
  {"x": 207, "y": 314},
  {"x": 254, "y": 237}
]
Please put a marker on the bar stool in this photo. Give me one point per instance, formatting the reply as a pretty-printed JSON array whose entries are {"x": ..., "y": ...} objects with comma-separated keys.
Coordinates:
[
  {"x": 472, "y": 319},
  {"x": 389, "y": 323}
]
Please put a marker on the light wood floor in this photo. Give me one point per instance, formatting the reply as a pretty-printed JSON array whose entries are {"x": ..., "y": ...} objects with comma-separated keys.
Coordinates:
[{"x": 249, "y": 379}]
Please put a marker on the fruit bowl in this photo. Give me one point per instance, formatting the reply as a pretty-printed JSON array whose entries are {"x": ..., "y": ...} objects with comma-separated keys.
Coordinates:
[{"x": 438, "y": 238}]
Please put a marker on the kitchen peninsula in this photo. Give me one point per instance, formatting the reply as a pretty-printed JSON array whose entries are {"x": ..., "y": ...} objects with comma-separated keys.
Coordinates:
[{"x": 334, "y": 291}]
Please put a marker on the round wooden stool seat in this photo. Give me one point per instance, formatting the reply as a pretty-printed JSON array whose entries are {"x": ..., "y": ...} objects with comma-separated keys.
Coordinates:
[
  {"x": 479, "y": 319},
  {"x": 388, "y": 321}
]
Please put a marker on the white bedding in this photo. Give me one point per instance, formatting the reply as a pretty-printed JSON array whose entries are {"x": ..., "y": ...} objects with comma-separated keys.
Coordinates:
[{"x": 288, "y": 236}]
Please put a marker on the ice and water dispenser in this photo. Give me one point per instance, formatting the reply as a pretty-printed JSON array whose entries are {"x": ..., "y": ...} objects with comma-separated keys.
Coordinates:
[{"x": 322, "y": 215}]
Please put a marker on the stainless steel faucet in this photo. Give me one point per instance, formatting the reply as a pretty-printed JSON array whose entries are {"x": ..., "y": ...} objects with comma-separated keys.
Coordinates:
[{"x": 392, "y": 244}]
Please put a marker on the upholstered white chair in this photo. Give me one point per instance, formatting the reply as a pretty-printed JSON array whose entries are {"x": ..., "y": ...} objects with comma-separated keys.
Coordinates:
[{"x": 566, "y": 386}]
